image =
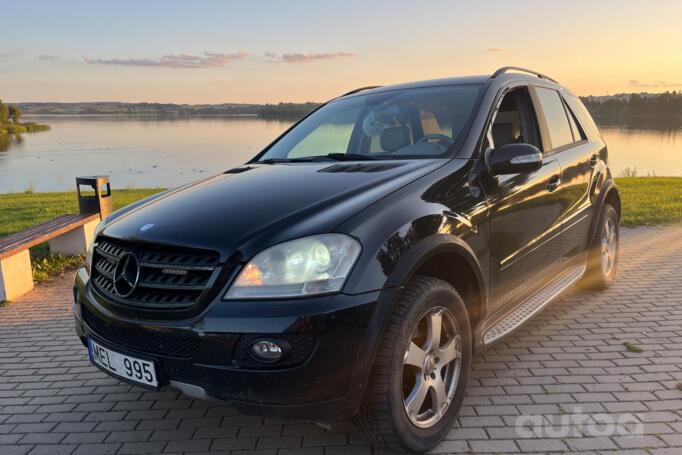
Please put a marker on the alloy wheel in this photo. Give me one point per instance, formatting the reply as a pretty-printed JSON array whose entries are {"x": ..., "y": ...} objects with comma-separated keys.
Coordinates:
[
  {"x": 609, "y": 247},
  {"x": 431, "y": 367}
]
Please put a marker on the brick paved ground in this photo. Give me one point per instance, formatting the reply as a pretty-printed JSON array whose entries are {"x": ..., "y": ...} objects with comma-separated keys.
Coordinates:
[{"x": 567, "y": 364}]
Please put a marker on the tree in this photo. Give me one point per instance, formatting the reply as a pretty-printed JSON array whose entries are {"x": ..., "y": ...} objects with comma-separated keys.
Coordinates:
[
  {"x": 15, "y": 111},
  {"x": 4, "y": 113}
]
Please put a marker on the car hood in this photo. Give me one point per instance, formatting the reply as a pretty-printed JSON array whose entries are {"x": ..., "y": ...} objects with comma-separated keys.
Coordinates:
[{"x": 255, "y": 206}]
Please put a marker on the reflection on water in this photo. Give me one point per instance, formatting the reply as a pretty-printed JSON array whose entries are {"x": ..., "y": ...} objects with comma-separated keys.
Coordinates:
[
  {"x": 134, "y": 151},
  {"x": 10, "y": 140},
  {"x": 153, "y": 152},
  {"x": 648, "y": 151}
]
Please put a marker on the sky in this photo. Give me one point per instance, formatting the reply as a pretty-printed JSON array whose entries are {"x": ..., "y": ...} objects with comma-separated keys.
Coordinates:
[{"x": 262, "y": 51}]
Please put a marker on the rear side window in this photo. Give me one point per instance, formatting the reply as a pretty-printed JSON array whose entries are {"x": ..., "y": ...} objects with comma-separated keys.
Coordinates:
[
  {"x": 577, "y": 131},
  {"x": 557, "y": 123},
  {"x": 583, "y": 116}
]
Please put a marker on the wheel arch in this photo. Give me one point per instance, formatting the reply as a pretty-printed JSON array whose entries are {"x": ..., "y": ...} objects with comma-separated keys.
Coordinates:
[
  {"x": 425, "y": 255},
  {"x": 612, "y": 197},
  {"x": 608, "y": 194},
  {"x": 451, "y": 259}
]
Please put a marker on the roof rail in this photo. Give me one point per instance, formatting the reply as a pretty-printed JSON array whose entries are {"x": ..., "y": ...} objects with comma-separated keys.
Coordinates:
[
  {"x": 360, "y": 90},
  {"x": 506, "y": 69}
]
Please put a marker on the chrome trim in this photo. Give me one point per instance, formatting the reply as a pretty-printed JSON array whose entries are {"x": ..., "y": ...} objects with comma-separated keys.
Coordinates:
[
  {"x": 157, "y": 265},
  {"x": 566, "y": 228},
  {"x": 526, "y": 249},
  {"x": 525, "y": 311}
]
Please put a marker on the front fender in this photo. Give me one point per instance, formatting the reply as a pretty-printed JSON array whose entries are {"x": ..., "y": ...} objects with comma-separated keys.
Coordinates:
[
  {"x": 406, "y": 266},
  {"x": 400, "y": 233},
  {"x": 445, "y": 205}
]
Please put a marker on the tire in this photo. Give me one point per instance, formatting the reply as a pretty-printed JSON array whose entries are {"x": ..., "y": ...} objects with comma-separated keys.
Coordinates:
[
  {"x": 600, "y": 275},
  {"x": 383, "y": 414}
]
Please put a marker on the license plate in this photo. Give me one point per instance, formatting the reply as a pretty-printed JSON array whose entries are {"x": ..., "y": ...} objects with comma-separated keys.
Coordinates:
[{"x": 125, "y": 366}]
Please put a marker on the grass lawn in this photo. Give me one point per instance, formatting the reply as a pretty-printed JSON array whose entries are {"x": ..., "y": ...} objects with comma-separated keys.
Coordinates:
[
  {"x": 651, "y": 200},
  {"x": 646, "y": 201},
  {"x": 19, "y": 211}
]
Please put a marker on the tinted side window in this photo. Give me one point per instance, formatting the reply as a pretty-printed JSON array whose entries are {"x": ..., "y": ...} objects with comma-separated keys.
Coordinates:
[
  {"x": 578, "y": 134},
  {"x": 584, "y": 117},
  {"x": 555, "y": 114},
  {"x": 515, "y": 121}
]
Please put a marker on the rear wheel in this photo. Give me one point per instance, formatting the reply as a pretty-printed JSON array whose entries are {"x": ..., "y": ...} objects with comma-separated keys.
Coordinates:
[
  {"x": 602, "y": 262},
  {"x": 418, "y": 380}
]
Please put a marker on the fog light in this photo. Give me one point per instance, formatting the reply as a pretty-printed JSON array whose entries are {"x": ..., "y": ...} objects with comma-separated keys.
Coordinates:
[{"x": 266, "y": 351}]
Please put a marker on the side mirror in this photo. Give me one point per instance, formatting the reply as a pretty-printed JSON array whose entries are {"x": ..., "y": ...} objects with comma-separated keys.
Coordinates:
[{"x": 514, "y": 159}]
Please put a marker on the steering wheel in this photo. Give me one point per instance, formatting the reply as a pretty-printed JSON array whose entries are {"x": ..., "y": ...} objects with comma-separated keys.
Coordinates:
[{"x": 438, "y": 138}]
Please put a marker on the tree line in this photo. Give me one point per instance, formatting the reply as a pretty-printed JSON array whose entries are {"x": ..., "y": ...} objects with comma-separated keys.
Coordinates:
[
  {"x": 637, "y": 108},
  {"x": 8, "y": 111}
]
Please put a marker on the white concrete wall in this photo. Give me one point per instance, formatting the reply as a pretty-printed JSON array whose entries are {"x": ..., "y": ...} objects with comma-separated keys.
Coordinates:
[
  {"x": 16, "y": 277},
  {"x": 74, "y": 242}
]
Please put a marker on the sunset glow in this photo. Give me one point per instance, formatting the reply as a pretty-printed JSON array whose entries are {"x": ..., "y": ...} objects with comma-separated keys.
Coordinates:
[{"x": 267, "y": 51}]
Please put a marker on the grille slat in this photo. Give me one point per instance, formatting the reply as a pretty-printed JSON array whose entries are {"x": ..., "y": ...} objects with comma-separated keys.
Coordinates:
[
  {"x": 168, "y": 280},
  {"x": 178, "y": 287},
  {"x": 153, "y": 265},
  {"x": 171, "y": 344},
  {"x": 105, "y": 268}
]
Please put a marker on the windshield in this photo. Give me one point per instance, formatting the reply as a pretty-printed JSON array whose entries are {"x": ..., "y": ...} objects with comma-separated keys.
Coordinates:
[{"x": 410, "y": 123}]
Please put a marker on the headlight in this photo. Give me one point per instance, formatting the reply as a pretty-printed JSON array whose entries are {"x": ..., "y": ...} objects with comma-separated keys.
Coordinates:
[{"x": 307, "y": 266}]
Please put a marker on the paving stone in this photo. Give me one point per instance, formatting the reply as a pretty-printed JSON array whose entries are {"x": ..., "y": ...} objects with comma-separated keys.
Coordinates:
[{"x": 568, "y": 363}]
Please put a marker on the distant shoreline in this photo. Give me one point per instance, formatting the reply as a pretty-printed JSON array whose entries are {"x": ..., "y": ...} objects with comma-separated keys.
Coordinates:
[
  {"x": 291, "y": 111},
  {"x": 632, "y": 110},
  {"x": 151, "y": 114},
  {"x": 641, "y": 123}
]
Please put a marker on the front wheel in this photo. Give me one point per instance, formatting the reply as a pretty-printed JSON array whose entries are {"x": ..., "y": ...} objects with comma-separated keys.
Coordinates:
[
  {"x": 421, "y": 369},
  {"x": 602, "y": 259}
]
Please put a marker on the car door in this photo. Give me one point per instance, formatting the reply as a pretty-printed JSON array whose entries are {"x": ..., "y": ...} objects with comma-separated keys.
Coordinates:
[
  {"x": 576, "y": 157},
  {"x": 524, "y": 209}
]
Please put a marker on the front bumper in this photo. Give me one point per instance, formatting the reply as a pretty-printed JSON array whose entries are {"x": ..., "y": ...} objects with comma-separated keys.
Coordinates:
[{"x": 326, "y": 382}]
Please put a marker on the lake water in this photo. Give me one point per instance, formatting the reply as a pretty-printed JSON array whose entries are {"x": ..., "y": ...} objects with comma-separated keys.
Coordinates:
[{"x": 152, "y": 152}]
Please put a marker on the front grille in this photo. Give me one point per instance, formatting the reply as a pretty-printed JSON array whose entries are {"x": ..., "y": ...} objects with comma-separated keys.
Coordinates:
[
  {"x": 170, "y": 344},
  {"x": 169, "y": 279}
]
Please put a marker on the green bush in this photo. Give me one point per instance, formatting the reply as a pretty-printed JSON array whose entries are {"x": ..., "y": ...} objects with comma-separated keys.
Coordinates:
[
  {"x": 15, "y": 129},
  {"x": 35, "y": 127},
  {"x": 45, "y": 265}
]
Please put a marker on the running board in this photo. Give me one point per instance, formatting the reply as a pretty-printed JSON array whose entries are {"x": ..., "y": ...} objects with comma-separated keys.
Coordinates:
[{"x": 533, "y": 305}]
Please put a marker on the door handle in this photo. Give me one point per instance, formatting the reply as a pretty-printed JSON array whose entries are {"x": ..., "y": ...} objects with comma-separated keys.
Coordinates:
[
  {"x": 594, "y": 159},
  {"x": 553, "y": 183}
]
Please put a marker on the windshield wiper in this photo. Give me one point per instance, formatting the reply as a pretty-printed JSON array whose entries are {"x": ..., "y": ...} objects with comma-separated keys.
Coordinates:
[
  {"x": 353, "y": 157},
  {"x": 303, "y": 159},
  {"x": 319, "y": 158}
]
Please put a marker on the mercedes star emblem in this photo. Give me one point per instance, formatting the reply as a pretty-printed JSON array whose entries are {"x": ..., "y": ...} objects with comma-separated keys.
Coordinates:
[{"x": 126, "y": 274}]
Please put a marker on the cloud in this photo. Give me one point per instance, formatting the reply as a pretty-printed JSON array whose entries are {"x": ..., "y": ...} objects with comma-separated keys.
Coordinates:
[
  {"x": 660, "y": 84},
  {"x": 305, "y": 58},
  {"x": 494, "y": 49},
  {"x": 206, "y": 60},
  {"x": 49, "y": 58},
  {"x": 4, "y": 54}
]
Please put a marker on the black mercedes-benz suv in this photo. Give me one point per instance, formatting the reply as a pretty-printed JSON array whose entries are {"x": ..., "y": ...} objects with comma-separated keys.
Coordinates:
[{"x": 353, "y": 267}]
